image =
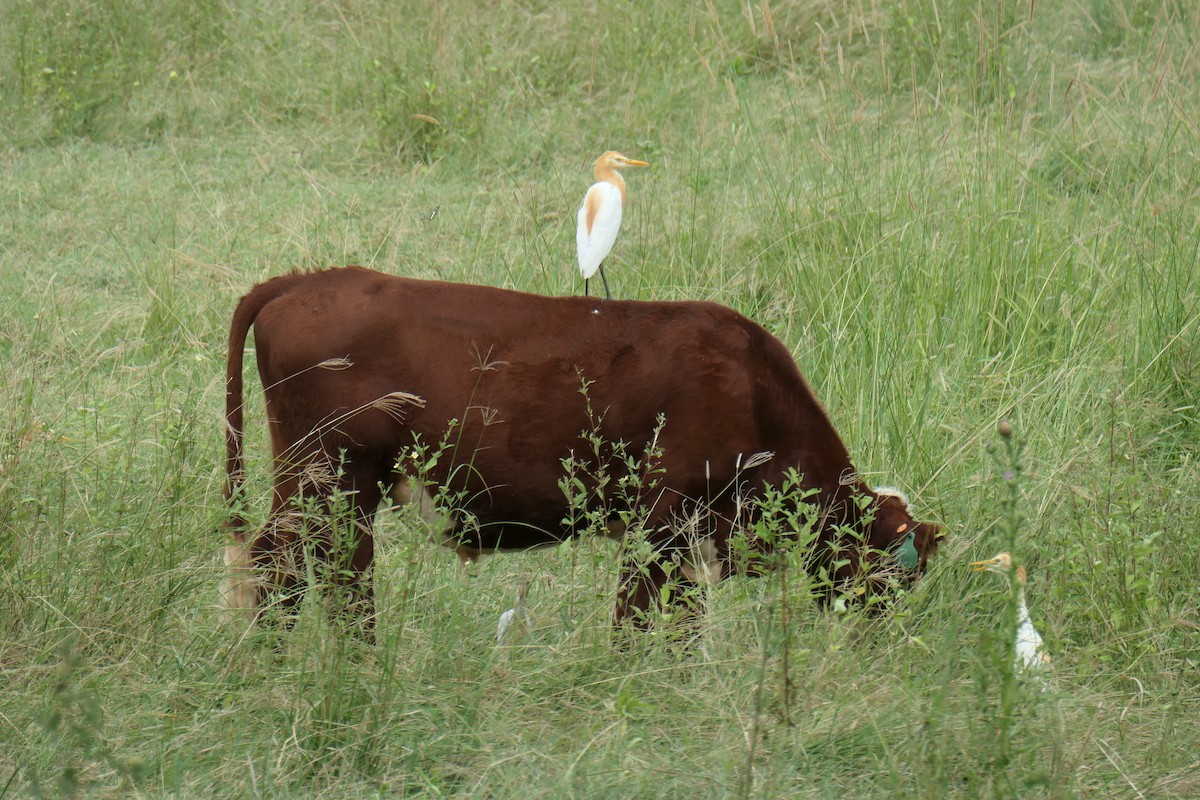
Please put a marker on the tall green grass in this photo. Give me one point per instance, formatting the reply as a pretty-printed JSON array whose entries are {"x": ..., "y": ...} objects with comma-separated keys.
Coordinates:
[{"x": 952, "y": 212}]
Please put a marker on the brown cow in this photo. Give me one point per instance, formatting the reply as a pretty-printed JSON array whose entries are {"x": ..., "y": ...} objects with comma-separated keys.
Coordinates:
[{"x": 672, "y": 416}]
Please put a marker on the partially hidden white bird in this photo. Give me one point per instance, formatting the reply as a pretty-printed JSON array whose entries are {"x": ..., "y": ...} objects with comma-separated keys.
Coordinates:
[
  {"x": 516, "y": 612},
  {"x": 1030, "y": 653},
  {"x": 599, "y": 217}
]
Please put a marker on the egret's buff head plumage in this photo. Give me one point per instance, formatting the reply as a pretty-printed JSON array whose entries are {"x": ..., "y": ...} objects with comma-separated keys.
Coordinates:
[
  {"x": 607, "y": 167},
  {"x": 613, "y": 160},
  {"x": 1002, "y": 564}
]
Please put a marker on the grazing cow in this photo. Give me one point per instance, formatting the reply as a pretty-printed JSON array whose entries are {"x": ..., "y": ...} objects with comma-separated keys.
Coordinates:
[{"x": 534, "y": 418}]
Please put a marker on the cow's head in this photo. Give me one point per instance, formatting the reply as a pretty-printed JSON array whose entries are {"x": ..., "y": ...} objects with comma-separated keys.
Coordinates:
[{"x": 908, "y": 543}]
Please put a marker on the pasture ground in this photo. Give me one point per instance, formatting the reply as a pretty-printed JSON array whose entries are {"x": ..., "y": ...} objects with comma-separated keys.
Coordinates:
[{"x": 951, "y": 212}]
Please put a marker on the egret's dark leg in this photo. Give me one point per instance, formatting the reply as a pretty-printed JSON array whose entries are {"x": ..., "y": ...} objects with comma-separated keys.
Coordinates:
[
  {"x": 585, "y": 287},
  {"x": 607, "y": 295}
]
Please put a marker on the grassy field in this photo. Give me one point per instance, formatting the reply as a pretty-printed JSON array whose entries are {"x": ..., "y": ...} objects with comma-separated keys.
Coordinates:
[{"x": 951, "y": 212}]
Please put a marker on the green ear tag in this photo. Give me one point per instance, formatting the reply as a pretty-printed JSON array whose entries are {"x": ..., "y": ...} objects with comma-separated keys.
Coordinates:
[{"x": 906, "y": 554}]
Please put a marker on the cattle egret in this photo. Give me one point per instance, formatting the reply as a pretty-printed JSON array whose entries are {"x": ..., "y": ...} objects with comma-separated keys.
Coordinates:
[
  {"x": 1030, "y": 654},
  {"x": 599, "y": 217},
  {"x": 517, "y": 612}
]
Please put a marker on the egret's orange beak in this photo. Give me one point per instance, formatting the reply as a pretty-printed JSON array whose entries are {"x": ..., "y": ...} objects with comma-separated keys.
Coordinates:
[
  {"x": 632, "y": 162},
  {"x": 980, "y": 566}
]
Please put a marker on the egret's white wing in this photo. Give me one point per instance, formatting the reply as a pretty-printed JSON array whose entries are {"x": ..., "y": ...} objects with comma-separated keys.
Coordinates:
[
  {"x": 1030, "y": 650},
  {"x": 505, "y": 620},
  {"x": 597, "y": 225}
]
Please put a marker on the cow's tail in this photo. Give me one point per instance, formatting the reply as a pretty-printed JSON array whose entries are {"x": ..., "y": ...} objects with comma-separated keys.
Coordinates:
[
  {"x": 240, "y": 590},
  {"x": 244, "y": 315}
]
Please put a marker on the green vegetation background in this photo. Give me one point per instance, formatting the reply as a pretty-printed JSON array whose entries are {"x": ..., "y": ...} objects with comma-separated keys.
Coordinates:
[{"x": 951, "y": 212}]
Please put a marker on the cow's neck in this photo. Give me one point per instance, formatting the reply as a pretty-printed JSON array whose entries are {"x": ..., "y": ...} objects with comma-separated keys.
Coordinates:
[{"x": 809, "y": 438}]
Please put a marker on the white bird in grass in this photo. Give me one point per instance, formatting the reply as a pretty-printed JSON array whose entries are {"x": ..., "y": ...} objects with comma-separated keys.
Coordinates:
[
  {"x": 599, "y": 217},
  {"x": 1030, "y": 654},
  {"x": 517, "y": 612}
]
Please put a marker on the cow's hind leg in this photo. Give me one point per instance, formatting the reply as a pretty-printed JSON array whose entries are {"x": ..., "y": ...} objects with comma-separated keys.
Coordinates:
[
  {"x": 336, "y": 546},
  {"x": 320, "y": 527},
  {"x": 239, "y": 591},
  {"x": 262, "y": 569},
  {"x": 271, "y": 565},
  {"x": 351, "y": 554}
]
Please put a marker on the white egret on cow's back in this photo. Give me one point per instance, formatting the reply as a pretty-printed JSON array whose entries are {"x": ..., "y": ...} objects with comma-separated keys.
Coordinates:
[
  {"x": 1030, "y": 653},
  {"x": 599, "y": 218}
]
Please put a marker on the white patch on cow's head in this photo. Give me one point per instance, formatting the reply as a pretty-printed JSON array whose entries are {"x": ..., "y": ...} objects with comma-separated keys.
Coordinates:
[
  {"x": 891, "y": 491},
  {"x": 239, "y": 590}
]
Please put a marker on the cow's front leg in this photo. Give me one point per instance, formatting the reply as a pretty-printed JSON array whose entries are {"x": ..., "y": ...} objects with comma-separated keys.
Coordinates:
[{"x": 657, "y": 589}]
